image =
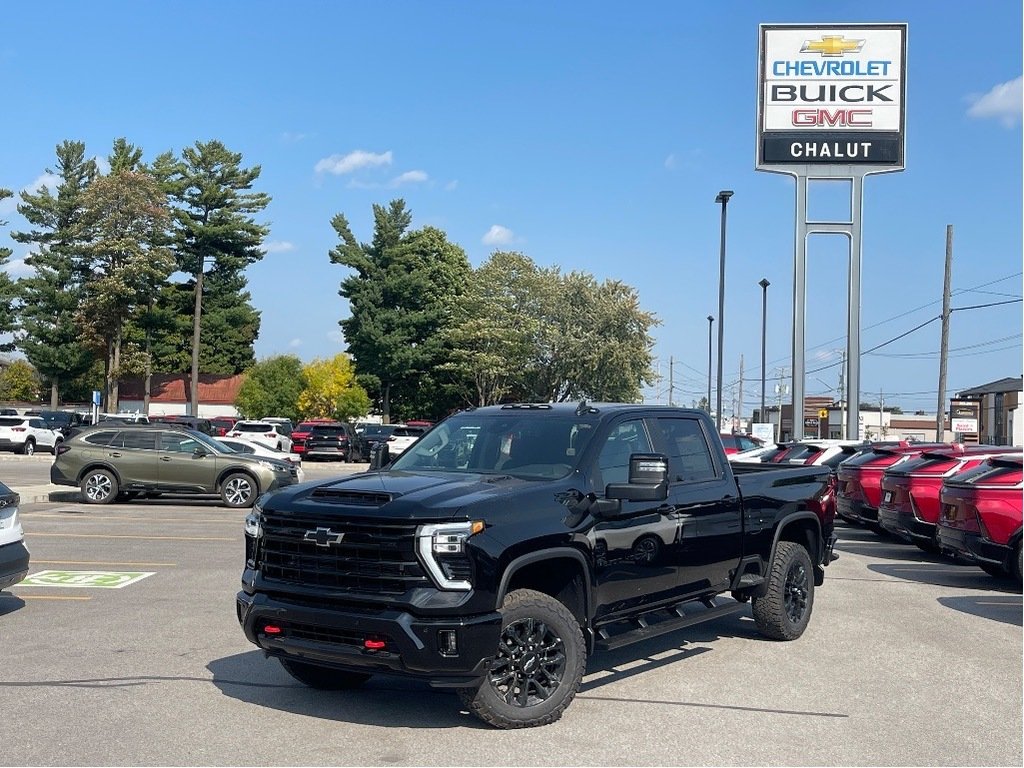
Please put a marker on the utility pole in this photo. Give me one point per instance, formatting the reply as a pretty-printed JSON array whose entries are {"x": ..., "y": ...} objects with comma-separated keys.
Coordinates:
[
  {"x": 940, "y": 421},
  {"x": 671, "y": 380},
  {"x": 842, "y": 400},
  {"x": 739, "y": 413},
  {"x": 881, "y": 413}
]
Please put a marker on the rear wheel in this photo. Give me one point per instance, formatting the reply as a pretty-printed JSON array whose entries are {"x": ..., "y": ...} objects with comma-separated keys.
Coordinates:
[
  {"x": 538, "y": 667},
  {"x": 29, "y": 448},
  {"x": 99, "y": 486},
  {"x": 322, "y": 678},
  {"x": 785, "y": 609}
]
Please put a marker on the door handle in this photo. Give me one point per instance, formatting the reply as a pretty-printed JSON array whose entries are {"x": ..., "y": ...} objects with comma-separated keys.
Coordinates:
[
  {"x": 165, "y": 458},
  {"x": 114, "y": 455}
]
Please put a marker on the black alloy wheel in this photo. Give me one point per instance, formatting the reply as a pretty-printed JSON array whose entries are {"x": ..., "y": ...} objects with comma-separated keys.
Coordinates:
[
  {"x": 530, "y": 663},
  {"x": 797, "y": 588}
]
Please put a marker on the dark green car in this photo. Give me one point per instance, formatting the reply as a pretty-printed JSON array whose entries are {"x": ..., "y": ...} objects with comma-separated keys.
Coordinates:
[{"x": 123, "y": 461}]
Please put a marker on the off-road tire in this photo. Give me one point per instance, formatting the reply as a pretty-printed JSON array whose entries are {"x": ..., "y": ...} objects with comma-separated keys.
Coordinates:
[
  {"x": 29, "y": 447},
  {"x": 239, "y": 490},
  {"x": 537, "y": 631},
  {"x": 322, "y": 678},
  {"x": 99, "y": 486},
  {"x": 785, "y": 609}
]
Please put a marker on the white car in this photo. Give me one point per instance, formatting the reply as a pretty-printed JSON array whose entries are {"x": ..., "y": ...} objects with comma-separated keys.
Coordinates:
[
  {"x": 250, "y": 448},
  {"x": 402, "y": 437},
  {"x": 261, "y": 433},
  {"x": 14, "y": 555},
  {"x": 26, "y": 434}
]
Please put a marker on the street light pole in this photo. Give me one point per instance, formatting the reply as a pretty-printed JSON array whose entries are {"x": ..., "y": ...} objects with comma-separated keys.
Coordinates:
[
  {"x": 711, "y": 320},
  {"x": 723, "y": 198},
  {"x": 764, "y": 321}
]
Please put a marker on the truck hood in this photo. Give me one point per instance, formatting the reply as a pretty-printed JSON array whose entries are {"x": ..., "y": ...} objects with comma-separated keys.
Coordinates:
[{"x": 394, "y": 495}]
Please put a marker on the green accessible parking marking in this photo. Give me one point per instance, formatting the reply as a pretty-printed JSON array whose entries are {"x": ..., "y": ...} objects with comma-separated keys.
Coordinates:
[{"x": 96, "y": 579}]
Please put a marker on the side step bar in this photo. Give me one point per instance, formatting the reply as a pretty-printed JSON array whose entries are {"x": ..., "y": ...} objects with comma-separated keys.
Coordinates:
[{"x": 645, "y": 630}]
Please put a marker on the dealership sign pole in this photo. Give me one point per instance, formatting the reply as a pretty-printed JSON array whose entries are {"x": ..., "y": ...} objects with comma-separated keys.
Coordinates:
[{"x": 831, "y": 106}]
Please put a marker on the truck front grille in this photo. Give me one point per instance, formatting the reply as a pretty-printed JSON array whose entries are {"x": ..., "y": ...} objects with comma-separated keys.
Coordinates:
[{"x": 370, "y": 557}]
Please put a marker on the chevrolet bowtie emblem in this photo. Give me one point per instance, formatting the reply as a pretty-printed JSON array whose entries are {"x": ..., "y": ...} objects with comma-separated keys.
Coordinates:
[
  {"x": 832, "y": 45},
  {"x": 323, "y": 537}
]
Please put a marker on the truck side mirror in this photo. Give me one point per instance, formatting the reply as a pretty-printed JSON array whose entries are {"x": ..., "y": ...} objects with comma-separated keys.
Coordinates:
[
  {"x": 648, "y": 479},
  {"x": 379, "y": 455}
]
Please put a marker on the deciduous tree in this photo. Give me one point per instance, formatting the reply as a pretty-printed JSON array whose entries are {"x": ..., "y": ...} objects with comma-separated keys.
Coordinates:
[
  {"x": 272, "y": 388},
  {"x": 19, "y": 382},
  {"x": 331, "y": 390}
]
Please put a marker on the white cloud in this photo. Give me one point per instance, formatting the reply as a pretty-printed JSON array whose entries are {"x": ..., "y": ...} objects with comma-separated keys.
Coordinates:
[
  {"x": 1004, "y": 102},
  {"x": 409, "y": 177},
  {"x": 295, "y": 343},
  {"x": 336, "y": 336},
  {"x": 48, "y": 180},
  {"x": 289, "y": 137},
  {"x": 671, "y": 161},
  {"x": 18, "y": 268},
  {"x": 353, "y": 161},
  {"x": 451, "y": 186},
  {"x": 278, "y": 246},
  {"x": 498, "y": 235}
]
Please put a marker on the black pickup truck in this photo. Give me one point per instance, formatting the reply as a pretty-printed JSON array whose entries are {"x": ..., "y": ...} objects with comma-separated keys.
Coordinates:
[{"x": 509, "y": 542}]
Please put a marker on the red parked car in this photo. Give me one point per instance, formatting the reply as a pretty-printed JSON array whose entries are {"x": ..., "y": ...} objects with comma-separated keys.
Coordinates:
[
  {"x": 222, "y": 425},
  {"x": 981, "y": 515},
  {"x": 910, "y": 491},
  {"x": 736, "y": 443},
  {"x": 859, "y": 479},
  {"x": 302, "y": 430}
]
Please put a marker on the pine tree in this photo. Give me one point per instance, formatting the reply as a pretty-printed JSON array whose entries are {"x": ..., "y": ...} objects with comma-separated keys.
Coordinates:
[
  {"x": 48, "y": 333},
  {"x": 8, "y": 291}
]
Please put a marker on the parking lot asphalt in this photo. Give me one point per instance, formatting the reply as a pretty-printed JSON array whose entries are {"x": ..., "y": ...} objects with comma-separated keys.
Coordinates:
[{"x": 908, "y": 660}]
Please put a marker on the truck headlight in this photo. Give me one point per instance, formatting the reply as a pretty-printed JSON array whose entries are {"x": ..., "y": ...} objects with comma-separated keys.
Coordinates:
[
  {"x": 442, "y": 548},
  {"x": 254, "y": 523}
]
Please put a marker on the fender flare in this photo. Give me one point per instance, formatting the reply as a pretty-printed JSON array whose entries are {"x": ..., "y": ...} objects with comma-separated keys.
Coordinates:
[
  {"x": 805, "y": 514},
  {"x": 549, "y": 554}
]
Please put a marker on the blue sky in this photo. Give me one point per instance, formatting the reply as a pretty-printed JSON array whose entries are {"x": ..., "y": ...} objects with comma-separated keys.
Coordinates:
[{"x": 591, "y": 136}]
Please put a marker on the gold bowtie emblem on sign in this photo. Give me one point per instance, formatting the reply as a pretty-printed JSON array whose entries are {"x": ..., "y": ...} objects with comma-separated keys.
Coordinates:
[{"x": 832, "y": 45}]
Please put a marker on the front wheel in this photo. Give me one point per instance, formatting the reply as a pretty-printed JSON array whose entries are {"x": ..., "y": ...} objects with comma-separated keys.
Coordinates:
[
  {"x": 785, "y": 609},
  {"x": 238, "y": 490},
  {"x": 538, "y": 666},
  {"x": 322, "y": 678}
]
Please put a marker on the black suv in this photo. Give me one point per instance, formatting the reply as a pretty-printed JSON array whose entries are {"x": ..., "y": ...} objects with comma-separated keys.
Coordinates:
[{"x": 335, "y": 441}]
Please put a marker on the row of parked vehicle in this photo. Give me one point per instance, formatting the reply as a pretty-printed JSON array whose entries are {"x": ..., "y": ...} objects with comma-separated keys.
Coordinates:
[{"x": 962, "y": 501}]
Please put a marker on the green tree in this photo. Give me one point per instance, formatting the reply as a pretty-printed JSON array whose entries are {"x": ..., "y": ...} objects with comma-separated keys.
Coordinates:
[
  {"x": 19, "y": 382},
  {"x": 125, "y": 222},
  {"x": 400, "y": 293},
  {"x": 272, "y": 388},
  {"x": 215, "y": 237},
  {"x": 331, "y": 390},
  {"x": 49, "y": 333},
  {"x": 8, "y": 291}
]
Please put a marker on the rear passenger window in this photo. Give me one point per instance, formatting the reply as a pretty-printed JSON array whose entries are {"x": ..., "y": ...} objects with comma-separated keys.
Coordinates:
[
  {"x": 100, "y": 438},
  {"x": 138, "y": 439},
  {"x": 688, "y": 454}
]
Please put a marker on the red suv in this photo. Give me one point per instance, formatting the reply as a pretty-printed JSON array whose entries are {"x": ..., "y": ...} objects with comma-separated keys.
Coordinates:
[
  {"x": 910, "y": 491},
  {"x": 859, "y": 479},
  {"x": 737, "y": 443},
  {"x": 981, "y": 515},
  {"x": 301, "y": 433}
]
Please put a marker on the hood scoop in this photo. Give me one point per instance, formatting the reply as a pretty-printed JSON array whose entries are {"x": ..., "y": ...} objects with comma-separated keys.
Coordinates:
[{"x": 352, "y": 498}]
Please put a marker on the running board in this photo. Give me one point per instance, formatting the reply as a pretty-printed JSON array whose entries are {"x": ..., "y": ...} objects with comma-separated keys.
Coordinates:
[{"x": 645, "y": 631}]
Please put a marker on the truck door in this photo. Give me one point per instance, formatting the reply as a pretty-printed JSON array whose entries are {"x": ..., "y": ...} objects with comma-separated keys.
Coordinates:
[
  {"x": 704, "y": 500},
  {"x": 630, "y": 562}
]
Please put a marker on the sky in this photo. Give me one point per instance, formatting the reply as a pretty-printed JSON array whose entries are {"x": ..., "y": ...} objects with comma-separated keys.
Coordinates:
[{"x": 588, "y": 136}]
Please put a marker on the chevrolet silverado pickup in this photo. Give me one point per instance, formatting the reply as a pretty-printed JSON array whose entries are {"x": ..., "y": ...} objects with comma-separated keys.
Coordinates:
[{"x": 511, "y": 542}]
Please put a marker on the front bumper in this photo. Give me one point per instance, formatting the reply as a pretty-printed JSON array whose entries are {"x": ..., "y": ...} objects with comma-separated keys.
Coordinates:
[
  {"x": 13, "y": 564},
  {"x": 334, "y": 637},
  {"x": 972, "y": 547},
  {"x": 855, "y": 511},
  {"x": 905, "y": 526}
]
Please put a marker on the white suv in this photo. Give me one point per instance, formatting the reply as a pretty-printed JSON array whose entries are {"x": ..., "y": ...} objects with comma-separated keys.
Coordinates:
[
  {"x": 24, "y": 434},
  {"x": 262, "y": 433}
]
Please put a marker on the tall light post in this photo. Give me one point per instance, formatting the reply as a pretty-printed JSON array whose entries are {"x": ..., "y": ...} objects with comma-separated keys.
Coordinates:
[
  {"x": 764, "y": 322},
  {"x": 723, "y": 198},
  {"x": 711, "y": 320}
]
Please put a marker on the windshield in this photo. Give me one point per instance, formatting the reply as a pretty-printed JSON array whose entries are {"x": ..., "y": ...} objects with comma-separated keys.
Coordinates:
[
  {"x": 11, "y": 421},
  {"x": 523, "y": 445}
]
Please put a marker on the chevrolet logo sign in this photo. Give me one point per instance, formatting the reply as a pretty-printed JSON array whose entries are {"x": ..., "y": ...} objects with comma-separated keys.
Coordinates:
[
  {"x": 832, "y": 45},
  {"x": 323, "y": 537}
]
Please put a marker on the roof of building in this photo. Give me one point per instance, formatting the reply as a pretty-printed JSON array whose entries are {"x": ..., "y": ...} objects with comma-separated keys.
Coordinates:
[
  {"x": 1008, "y": 384},
  {"x": 214, "y": 389}
]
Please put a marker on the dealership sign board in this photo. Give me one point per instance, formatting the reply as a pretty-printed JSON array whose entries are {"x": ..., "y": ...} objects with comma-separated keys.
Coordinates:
[{"x": 831, "y": 94}]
